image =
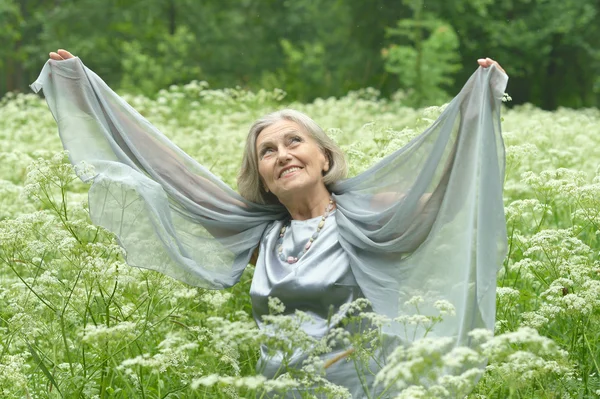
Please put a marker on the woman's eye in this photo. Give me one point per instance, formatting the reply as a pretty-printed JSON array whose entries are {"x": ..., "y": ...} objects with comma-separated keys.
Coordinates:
[
  {"x": 296, "y": 139},
  {"x": 266, "y": 151}
]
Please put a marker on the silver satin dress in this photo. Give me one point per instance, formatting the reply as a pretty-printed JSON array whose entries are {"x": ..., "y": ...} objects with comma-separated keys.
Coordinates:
[{"x": 318, "y": 284}]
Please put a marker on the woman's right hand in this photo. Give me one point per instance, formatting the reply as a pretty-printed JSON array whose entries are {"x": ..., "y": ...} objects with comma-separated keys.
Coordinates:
[{"x": 61, "y": 55}]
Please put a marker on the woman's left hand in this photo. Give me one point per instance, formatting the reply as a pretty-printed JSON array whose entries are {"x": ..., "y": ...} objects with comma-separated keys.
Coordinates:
[{"x": 486, "y": 62}]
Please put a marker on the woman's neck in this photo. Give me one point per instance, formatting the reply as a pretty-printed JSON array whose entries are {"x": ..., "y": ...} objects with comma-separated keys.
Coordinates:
[{"x": 309, "y": 205}]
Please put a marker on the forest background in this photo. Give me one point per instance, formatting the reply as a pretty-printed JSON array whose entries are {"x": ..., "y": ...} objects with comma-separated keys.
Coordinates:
[{"x": 422, "y": 49}]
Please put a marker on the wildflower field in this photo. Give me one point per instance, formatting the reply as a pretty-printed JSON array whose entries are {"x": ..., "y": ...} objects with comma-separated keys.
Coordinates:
[{"x": 77, "y": 322}]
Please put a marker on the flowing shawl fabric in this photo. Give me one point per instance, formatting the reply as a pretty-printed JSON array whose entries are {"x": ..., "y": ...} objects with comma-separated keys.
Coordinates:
[{"x": 427, "y": 220}]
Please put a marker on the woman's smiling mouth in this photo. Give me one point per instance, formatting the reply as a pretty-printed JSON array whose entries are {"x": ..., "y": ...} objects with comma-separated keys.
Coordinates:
[{"x": 287, "y": 171}]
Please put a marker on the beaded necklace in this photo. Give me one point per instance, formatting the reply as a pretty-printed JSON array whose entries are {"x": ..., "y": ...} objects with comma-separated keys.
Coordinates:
[{"x": 292, "y": 259}]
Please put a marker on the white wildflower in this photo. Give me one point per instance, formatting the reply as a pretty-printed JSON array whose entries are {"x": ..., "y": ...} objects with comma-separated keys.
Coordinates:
[
  {"x": 276, "y": 306},
  {"x": 445, "y": 307},
  {"x": 414, "y": 301}
]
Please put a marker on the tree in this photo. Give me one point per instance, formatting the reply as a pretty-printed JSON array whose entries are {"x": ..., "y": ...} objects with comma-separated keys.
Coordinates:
[{"x": 428, "y": 60}]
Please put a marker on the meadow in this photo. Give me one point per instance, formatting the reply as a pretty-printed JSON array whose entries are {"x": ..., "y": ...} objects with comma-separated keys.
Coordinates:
[{"x": 76, "y": 321}]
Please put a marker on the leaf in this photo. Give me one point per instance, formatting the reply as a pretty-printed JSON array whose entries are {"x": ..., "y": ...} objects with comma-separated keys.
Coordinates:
[{"x": 45, "y": 370}]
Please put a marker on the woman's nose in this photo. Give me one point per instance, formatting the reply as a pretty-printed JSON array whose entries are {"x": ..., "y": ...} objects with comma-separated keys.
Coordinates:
[{"x": 283, "y": 155}]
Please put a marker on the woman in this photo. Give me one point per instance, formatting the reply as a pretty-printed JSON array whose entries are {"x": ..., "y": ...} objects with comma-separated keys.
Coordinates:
[{"x": 426, "y": 221}]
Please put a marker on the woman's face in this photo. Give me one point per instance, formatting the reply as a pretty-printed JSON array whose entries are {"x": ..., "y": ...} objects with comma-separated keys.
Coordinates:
[{"x": 289, "y": 160}]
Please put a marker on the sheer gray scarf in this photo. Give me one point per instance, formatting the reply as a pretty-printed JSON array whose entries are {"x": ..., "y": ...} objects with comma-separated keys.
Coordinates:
[{"x": 427, "y": 220}]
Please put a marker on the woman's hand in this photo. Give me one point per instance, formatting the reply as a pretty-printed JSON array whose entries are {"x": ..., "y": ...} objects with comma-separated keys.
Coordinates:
[
  {"x": 486, "y": 62},
  {"x": 61, "y": 55}
]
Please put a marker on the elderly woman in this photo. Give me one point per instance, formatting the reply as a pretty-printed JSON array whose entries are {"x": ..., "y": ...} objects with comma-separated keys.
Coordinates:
[{"x": 425, "y": 222}]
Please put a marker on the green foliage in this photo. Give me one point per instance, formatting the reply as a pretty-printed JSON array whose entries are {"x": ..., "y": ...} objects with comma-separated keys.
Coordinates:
[
  {"x": 314, "y": 48},
  {"x": 426, "y": 65},
  {"x": 303, "y": 71},
  {"x": 426, "y": 58},
  {"x": 146, "y": 71},
  {"x": 10, "y": 20},
  {"x": 548, "y": 47}
]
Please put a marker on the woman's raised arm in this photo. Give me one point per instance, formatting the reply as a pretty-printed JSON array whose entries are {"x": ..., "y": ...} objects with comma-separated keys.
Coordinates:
[
  {"x": 427, "y": 221},
  {"x": 169, "y": 212}
]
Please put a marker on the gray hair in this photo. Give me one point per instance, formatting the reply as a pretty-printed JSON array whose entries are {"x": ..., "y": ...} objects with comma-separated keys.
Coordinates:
[{"x": 249, "y": 184}]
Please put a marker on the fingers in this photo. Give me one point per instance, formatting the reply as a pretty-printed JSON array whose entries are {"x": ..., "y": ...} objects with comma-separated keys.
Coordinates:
[
  {"x": 65, "y": 54},
  {"x": 55, "y": 56},
  {"x": 60, "y": 55},
  {"x": 487, "y": 62},
  {"x": 492, "y": 62}
]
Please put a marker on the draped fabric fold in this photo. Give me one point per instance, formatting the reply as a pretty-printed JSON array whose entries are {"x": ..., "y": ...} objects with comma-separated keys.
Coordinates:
[
  {"x": 427, "y": 220},
  {"x": 169, "y": 212}
]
